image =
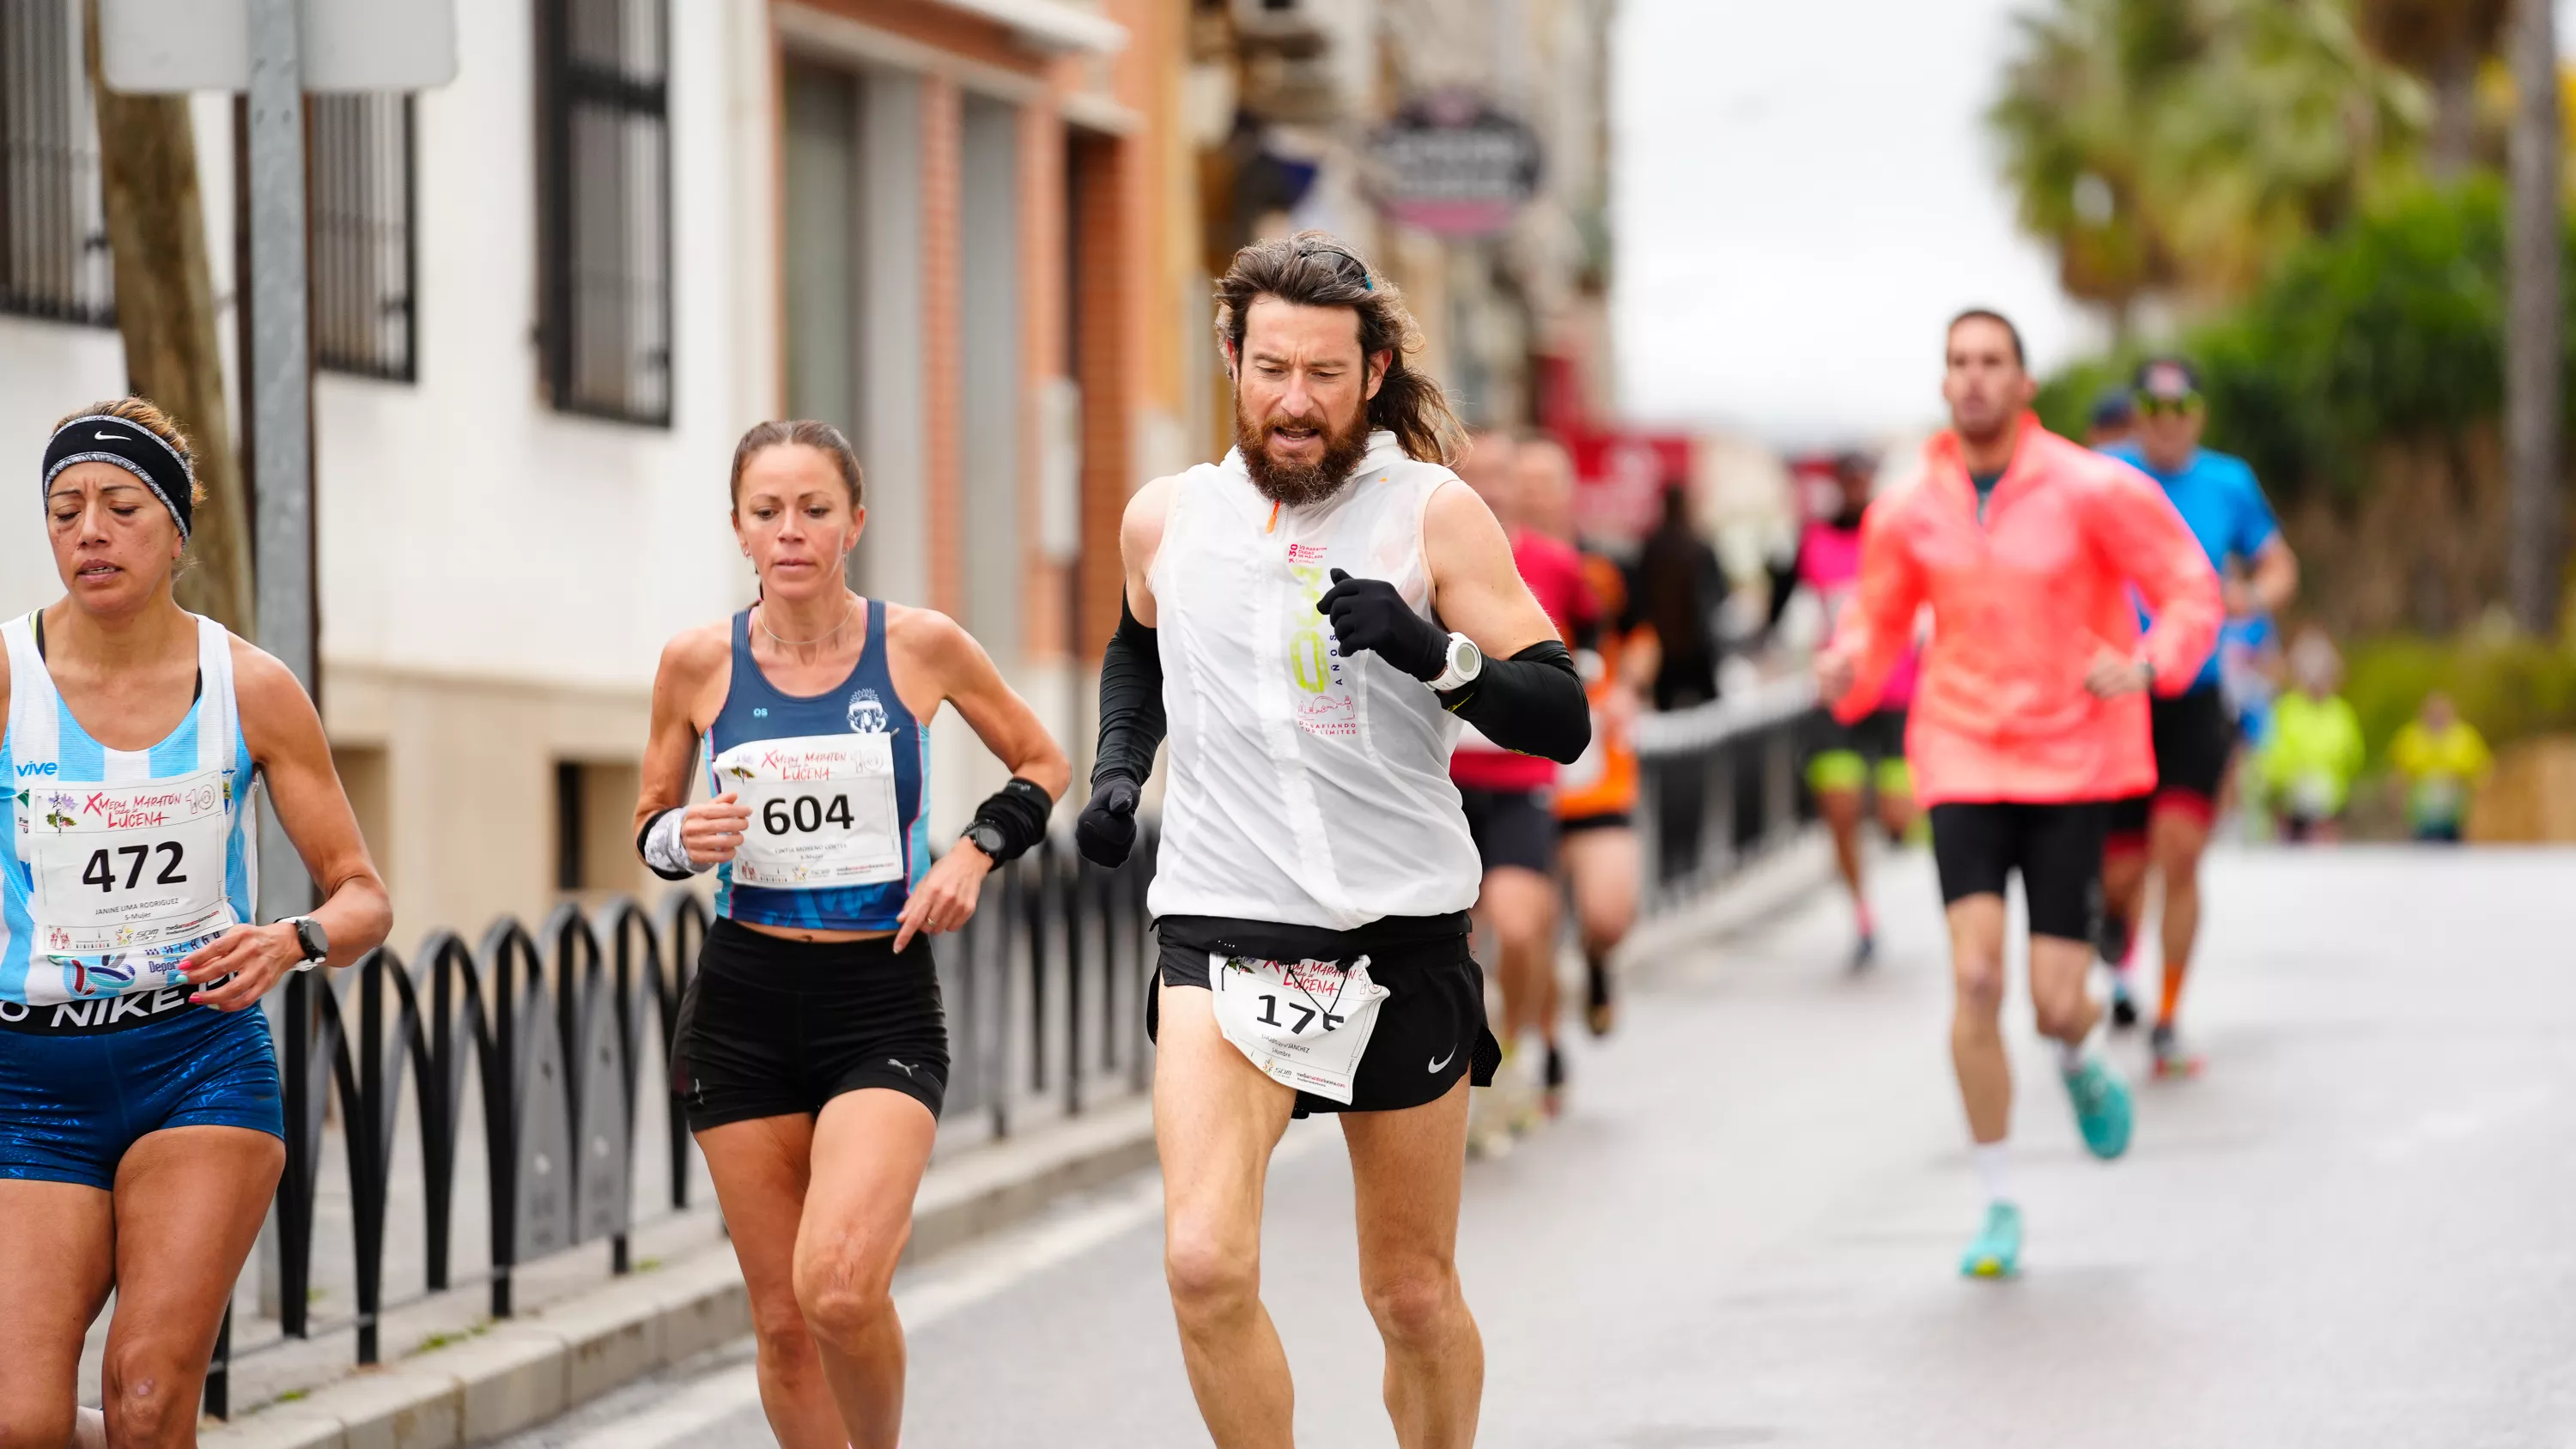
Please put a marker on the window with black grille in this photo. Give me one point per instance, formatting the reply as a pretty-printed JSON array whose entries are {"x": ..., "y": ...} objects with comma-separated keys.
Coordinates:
[
  {"x": 364, "y": 268},
  {"x": 604, "y": 176},
  {"x": 54, "y": 259}
]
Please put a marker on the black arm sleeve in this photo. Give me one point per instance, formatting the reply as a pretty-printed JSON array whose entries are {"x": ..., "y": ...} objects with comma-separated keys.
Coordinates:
[
  {"x": 1131, "y": 702},
  {"x": 1532, "y": 702}
]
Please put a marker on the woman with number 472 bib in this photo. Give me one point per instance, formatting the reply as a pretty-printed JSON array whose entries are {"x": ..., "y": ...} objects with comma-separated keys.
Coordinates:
[
  {"x": 141, "y": 1135},
  {"x": 812, "y": 1053}
]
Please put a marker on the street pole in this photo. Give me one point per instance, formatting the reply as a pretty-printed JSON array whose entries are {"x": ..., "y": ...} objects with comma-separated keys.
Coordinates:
[
  {"x": 2534, "y": 387},
  {"x": 280, "y": 395}
]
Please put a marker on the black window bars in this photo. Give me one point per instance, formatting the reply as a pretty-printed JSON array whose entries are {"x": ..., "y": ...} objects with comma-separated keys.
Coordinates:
[
  {"x": 54, "y": 259},
  {"x": 604, "y": 207},
  {"x": 549, "y": 1030},
  {"x": 365, "y": 269}
]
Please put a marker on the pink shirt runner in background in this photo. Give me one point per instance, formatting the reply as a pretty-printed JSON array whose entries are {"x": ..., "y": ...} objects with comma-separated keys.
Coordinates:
[
  {"x": 1829, "y": 563},
  {"x": 1553, "y": 569}
]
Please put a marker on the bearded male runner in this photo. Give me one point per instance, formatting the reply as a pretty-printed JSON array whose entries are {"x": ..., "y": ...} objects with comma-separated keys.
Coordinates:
[
  {"x": 1308, "y": 615},
  {"x": 2030, "y": 710}
]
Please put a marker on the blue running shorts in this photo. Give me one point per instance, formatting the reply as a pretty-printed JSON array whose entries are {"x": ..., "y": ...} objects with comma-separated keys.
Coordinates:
[{"x": 72, "y": 1100}]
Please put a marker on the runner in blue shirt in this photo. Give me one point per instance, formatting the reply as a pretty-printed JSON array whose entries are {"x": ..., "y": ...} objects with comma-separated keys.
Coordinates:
[{"x": 2195, "y": 735}]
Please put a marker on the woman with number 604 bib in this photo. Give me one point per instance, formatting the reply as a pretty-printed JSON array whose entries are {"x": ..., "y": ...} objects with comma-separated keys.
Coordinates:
[
  {"x": 141, "y": 1135},
  {"x": 812, "y": 1054}
]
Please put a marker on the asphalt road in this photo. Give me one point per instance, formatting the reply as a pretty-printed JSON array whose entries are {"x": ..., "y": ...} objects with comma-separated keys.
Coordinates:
[{"x": 2359, "y": 1228}]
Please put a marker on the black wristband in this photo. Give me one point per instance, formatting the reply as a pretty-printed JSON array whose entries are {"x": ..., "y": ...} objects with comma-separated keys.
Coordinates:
[
  {"x": 1532, "y": 702},
  {"x": 1018, "y": 814}
]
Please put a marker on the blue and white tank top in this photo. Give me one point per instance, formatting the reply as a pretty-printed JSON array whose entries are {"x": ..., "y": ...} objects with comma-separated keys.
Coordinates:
[
  {"x": 120, "y": 862},
  {"x": 833, "y": 781}
]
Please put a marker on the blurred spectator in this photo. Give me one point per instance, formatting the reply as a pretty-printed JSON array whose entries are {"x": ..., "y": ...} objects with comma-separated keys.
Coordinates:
[
  {"x": 2113, "y": 420},
  {"x": 2315, "y": 751},
  {"x": 1680, "y": 589},
  {"x": 2439, "y": 759}
]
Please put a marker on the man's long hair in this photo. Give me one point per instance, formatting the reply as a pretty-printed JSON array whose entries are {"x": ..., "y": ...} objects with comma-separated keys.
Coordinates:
[{"x": 1313, "y": 269}]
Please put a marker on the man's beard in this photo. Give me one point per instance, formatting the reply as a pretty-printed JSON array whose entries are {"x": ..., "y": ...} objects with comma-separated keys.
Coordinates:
[{"x": 1299, "y": 484}]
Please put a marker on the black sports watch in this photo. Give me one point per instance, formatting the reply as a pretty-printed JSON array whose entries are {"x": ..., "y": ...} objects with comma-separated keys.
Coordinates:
[
  {"x": 311, "y": 939},
  {"x": 986, "y": 837}
]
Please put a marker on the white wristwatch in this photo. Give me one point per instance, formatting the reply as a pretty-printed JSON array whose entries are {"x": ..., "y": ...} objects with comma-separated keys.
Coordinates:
[{"x": 1466, "y": 661}]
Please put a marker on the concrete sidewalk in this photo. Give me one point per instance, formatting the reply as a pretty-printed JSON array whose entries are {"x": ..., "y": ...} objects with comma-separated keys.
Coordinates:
[
  {"x": 485, "y": 1379},
  {"x": 503, "y": 1376}
]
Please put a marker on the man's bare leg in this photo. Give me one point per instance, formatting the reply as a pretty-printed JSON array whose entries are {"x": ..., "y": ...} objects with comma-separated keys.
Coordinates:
[
  {"x": 1217, "y": 1118},
  {"x": 1519, "y": 907},
  {"x": 1408, "y": 1167},
  {"x": 1976, "y": 1030}
]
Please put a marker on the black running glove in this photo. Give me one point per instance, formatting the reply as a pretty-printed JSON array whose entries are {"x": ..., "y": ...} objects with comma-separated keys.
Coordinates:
[
  {"x": 1369, "y": 614},
  {"x": 1106, "y": 830}
]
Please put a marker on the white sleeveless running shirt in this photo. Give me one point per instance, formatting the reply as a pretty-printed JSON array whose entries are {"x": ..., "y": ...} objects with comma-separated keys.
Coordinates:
[{"x": 1304, "y": 788}]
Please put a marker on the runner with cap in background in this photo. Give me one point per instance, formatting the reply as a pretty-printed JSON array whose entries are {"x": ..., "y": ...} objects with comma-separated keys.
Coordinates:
[{"x": 2194, "y": 732}]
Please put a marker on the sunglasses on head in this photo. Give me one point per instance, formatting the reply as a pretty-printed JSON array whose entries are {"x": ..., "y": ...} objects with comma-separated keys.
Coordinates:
[
  {"x": 2159, "y": 407},
  {"x": 1344, "y": 263}
]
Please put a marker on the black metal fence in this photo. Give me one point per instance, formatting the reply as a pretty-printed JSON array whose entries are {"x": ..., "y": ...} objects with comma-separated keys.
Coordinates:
[
  {"x": 54, "y": 258},
  {"x": 1719, "y": 786},
  {"x": 558, "y": 1032}
]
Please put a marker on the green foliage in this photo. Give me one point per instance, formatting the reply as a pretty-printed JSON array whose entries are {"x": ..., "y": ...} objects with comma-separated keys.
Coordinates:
[
  {"x": 2391, "y": 327},
  {"x": 2510, "y": 689},
  {"x": 2181, "y": 146}
]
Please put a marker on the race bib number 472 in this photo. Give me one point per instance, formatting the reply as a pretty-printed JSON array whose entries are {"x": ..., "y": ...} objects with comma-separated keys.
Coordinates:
[
  {"x": 128, "y": 868},
  {"x": 1305, "y": 1023}
]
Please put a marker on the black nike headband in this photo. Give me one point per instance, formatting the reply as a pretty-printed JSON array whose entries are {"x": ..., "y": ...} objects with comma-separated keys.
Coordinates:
[{"x": 99, "y": 438}]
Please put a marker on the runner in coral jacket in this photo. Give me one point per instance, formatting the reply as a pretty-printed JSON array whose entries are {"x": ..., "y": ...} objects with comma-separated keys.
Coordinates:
[{"x": 2029, "y": 712}]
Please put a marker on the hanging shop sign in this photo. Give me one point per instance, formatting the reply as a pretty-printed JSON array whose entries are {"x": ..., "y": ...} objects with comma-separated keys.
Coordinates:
[{"x": 1454, "y": 165}]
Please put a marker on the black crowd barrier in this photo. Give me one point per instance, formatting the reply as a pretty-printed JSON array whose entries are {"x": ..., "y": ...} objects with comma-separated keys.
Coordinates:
[
  {"x": 559, "y": 1030},
  {"x": 1719, "y": 785}
]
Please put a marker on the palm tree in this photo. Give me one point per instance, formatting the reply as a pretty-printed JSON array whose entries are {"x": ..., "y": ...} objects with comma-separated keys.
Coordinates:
[
  {"x": 2074, "y": 118},
  {"x": 2180, "y": 146},
  {"x": 2535, "y": 324},
  {"x": 2446, "y": 42},
  {"x": 2284, "y": 128}
]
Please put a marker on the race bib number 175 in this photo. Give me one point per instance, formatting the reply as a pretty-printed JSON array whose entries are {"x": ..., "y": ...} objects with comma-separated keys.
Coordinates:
[{"x": 1306, "y": 1023}]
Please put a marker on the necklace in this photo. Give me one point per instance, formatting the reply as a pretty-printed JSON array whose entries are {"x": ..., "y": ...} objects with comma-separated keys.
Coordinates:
[{"x": 847, "y": 609}]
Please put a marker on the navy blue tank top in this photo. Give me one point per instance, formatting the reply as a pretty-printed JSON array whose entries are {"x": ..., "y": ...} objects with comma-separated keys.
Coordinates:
[{"x": 839, "y": 830}]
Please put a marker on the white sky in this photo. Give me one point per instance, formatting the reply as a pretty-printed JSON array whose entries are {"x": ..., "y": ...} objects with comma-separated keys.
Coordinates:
[{"x": 1805, "y": 193}]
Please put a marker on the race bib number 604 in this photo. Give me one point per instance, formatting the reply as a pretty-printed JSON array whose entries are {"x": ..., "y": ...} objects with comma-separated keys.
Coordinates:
[
  {"x": 1306, "y": 1023},
  {"x": 822, "y": 811}
]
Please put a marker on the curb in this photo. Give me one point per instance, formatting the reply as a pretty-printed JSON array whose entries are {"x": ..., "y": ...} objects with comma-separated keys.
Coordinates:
[
  {"x": 522, "y": 1372},
  {"x": 1763, "y": 891}
]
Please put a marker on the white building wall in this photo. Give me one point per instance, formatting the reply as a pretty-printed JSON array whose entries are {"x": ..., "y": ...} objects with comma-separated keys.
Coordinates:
[
  {"x": 465, "y": 526},
  {"x": 49, "y": 368}
]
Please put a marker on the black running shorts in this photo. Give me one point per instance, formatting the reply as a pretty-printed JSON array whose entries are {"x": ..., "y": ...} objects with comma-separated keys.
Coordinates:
[
  {"x": 1430, "y": 1030},
  {"x": 2057, "y": 849},
  {"x": 2194, "y": 738},
  {"x": 777, "y": 1028},
  {"x": 1511, "y": 827},
  {"x": 1876, "y": 736}
]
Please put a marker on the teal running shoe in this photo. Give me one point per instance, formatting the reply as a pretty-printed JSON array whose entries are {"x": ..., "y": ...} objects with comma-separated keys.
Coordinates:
[
  {"x": 1997, "y": 1251},
  {"x": 2101, "y": 1108}
]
